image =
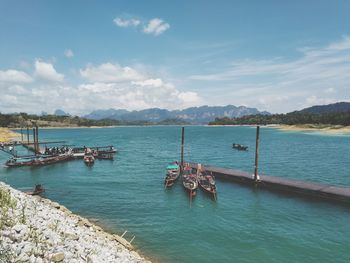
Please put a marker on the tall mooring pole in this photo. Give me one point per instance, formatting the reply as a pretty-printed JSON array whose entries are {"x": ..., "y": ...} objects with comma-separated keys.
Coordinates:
[
  {"x": 37, "y": 139},
  {"x": 21, "y": 134},
  {"x": 256, "y": 176},
  {"x": 28, "y": 134},
  {"x": 34, "y": 140},
  {"x": 182, "y": 147}
]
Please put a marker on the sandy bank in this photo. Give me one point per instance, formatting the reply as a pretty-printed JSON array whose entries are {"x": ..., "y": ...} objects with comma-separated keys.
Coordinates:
[
  {"x": 7, "y": 135},
  {"x": 336, "y": 129},
  {"x": 34, "y": 229}
]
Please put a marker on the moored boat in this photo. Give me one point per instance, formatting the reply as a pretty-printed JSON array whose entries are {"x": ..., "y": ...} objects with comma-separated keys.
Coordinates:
[
  {"x": 104, "y": 156},
  {"x": 39, "y": 189},
  {"x": 206, "y": 181},
  {"x": 239, "y": 147},
  {"x": 89, "y": 159},
  {"x": 172, "y": 174},
  {"x": 189, "y": 181},
  {"x": 37, "y": 161}
]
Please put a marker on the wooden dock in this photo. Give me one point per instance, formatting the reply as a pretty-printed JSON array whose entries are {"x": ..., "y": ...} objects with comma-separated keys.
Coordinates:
[{"x": 282, "y": 184}]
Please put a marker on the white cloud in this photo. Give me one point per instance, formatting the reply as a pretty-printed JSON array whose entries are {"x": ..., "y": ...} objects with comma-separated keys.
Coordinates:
[
  {"x": 156, "y": 26},
  {"x": 134, "y": 96},
  {"x": 15, "y": 76},
  {"x": 330, "y": 90},
  {"x": 281, "y": 85},
  {"x": 189, "y": 98},
  {"x": 68, "y": 53},
  {"x": 108, "y": 86},
  {"x": 149, "y": 82},
  {"x": 314, "y": 100},
  {"x": 109, "y": 72},
  {"x": 126, "y": 22},
  {"x": 46, "y": 71}
]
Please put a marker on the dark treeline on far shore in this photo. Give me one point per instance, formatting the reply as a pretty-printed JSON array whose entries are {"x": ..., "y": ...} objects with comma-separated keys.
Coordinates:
[
  {"x": 17, "y": 120},
  {"x": 292, "y": 118}
]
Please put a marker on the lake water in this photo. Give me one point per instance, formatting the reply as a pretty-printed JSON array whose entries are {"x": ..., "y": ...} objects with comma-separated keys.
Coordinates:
[{"x": 244, "y": 225}]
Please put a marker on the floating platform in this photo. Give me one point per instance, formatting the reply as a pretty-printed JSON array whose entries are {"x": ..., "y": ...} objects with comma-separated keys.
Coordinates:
[{"x": 282, "y": 184}]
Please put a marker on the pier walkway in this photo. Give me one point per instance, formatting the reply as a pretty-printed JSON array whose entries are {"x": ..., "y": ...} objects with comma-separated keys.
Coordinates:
[{"x": 282, "y": 184}]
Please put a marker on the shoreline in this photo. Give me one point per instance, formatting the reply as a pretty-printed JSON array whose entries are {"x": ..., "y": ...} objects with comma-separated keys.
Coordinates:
[
  {"x": 327, "y": 129},
  {"x": 7, "y": 135},
  {"x": 41, "y": 230},
  {"x": 113, "y": 126},
  {"x": 69, "y": 127}
]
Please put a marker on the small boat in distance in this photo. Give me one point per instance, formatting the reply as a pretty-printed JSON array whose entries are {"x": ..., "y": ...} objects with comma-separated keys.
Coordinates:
[
  {"x": 206, "y": 181},
  {"x": 189, "y": 181},
  {"x": 39, "y": 189},
  {"x": 36, "y": 161},
  {"x": 89, "y": 159},
  {"x": 104, "y": 156},
  {"x": 172, "y": 174},
  {"x": 239, "y": 147}
]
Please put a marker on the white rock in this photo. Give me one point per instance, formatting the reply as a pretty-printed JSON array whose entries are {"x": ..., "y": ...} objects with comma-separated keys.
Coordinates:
[
  {"x": 32, "y": 259},
  {"x": 92, "y": 259},
  {"x": 20, "y": 228},
  {"x": 57, "y": 257},
  {"x": 71, "y": 240}
]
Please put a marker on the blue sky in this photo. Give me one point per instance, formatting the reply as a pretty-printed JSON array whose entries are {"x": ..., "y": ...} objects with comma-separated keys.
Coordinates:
[{"x": 84, "y": 55}]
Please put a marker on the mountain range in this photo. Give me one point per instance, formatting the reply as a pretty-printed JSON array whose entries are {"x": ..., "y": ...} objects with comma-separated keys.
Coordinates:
[{"x": 194, "y": 115}]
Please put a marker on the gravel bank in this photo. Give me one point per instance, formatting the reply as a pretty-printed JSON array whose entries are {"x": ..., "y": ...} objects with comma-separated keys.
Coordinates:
[{"x": 34, "y": 229}]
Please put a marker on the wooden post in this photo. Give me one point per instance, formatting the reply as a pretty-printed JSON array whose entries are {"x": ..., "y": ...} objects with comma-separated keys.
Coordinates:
[
  {"x": 37, "y": 139},
  {"x": 34, "y": 140},
  {"x": 256, "y": 176},
  {"x": 21, "y": 134},
  {"x": 182, "y": 147},
  {"x": 28, "y": 134}
]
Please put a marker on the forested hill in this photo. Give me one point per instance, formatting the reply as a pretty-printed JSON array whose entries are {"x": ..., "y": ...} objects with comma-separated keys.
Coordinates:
[
  {"x": 330, "y": 108},
  {"x": 23, "y": 119},
  {"x": 333, "y": 114}
]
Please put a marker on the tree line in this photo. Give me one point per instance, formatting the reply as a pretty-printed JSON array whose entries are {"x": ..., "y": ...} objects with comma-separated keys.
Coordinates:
[
  {"x": 16, "y": 120},
  {"x": 23, "y": 119},
  {"x": 292, "y": 118}
]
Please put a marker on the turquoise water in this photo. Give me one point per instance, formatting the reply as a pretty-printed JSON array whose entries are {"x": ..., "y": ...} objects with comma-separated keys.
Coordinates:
[{"x": 244, "y": 225}]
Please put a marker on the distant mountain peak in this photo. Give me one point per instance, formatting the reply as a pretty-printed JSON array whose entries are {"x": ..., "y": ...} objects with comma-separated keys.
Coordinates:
[
  {"x": 60, "y": 112},
  {"x": 196, "y": 115}
]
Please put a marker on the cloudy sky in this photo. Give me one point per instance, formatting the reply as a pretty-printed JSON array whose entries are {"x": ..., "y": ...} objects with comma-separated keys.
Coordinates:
[{"x": 85, "y": 55}]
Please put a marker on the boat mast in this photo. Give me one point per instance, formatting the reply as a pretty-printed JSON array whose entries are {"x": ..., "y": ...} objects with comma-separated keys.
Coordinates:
[
  {"x": 182, "y": 148},
  {"x": 256, "y": 176}
]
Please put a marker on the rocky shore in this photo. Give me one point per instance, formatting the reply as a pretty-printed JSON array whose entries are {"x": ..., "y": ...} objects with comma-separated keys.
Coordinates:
[{"x": 34, "y": 229}]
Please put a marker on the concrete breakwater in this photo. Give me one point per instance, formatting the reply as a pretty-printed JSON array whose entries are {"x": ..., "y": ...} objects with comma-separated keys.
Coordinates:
[{"x": 34, "y": 229}]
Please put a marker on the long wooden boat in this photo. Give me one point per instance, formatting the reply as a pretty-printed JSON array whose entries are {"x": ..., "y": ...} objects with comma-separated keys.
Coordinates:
[
  {"x": 239, "y": 147},
  {"x": 79, "y": 152},
  {"x": 189, "y": 181},
  {"x": 104, "y": 156},
  {"x": 39, "y": 189},
  {"x": 206, "y": 181},
  {"x": 172, "y": 174},
  {"x": 89, "y": 159},
  {"x": 41, "y": 161}
]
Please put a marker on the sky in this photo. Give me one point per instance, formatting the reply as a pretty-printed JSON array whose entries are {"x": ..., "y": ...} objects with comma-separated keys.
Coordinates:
[{"x": 80, "y": 56}]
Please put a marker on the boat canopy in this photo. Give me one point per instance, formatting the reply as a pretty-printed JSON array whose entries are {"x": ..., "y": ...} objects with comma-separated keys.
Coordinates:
[{"x": 171, "y": 167}]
